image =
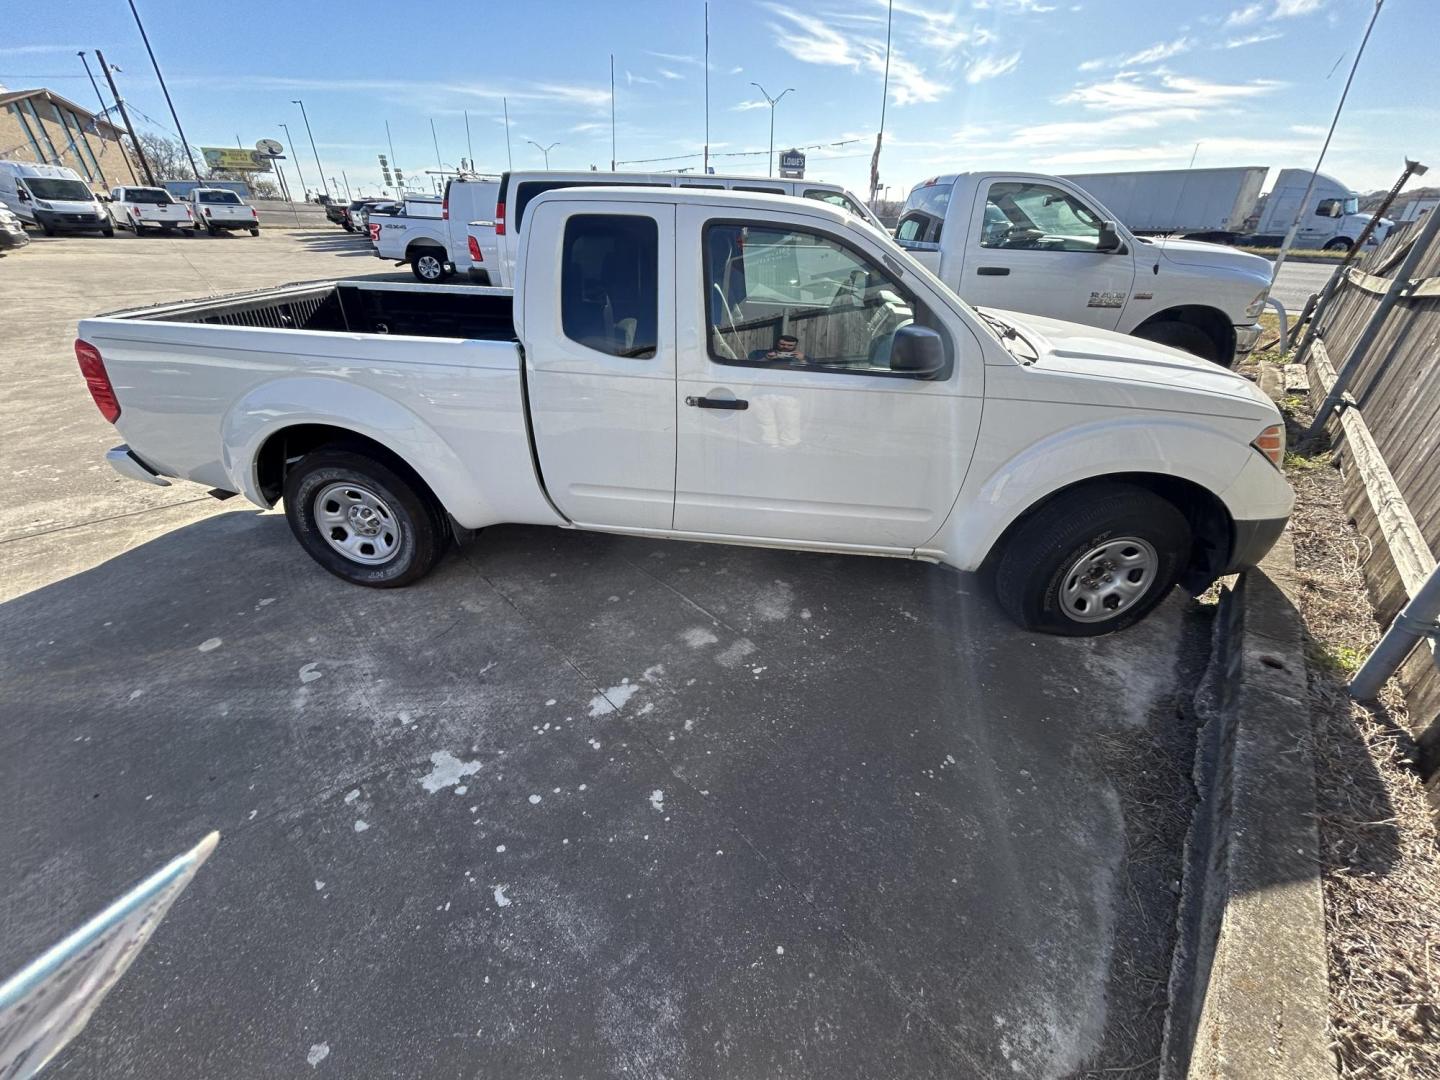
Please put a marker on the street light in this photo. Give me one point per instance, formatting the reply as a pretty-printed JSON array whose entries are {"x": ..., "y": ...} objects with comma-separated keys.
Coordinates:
[
  {"x": 291, "y": 143},
  {"x": 313, "y": 150},
  {"x": 773, "y": 102},
  {"x": 544, "y": 150}
]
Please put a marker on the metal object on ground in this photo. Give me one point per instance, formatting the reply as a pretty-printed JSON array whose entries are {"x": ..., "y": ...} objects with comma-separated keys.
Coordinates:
[
  {"x": 1419, "y": 619},
  {"x": 1284, "y": 322}
]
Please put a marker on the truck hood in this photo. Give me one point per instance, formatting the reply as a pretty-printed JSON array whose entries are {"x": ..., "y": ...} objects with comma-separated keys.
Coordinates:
[
  {"x": 1199, "y": 253},
  {"x": 1199, "y": 386}
]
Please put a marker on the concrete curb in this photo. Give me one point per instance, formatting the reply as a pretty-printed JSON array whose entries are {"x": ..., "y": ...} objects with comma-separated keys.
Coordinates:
[{"x": 1248, "y": 990}]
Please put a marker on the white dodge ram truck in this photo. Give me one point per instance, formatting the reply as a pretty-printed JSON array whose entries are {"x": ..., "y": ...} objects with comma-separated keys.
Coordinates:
[
  {"x": 707, "y": 365},
  {"x": 1043, "y": 245}
]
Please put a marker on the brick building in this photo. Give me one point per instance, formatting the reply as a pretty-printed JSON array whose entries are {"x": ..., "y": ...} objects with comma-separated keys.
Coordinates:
[{"x": 42, "y": 126}]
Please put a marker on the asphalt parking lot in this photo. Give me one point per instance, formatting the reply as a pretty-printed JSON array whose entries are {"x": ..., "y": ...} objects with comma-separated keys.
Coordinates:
[{"x": 574, "y": 805}]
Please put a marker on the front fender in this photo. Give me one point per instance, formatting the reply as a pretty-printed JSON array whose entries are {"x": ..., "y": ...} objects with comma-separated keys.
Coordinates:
[
  {"x": 1001, "y": 489},
  {"x": 286, "y": 403}
]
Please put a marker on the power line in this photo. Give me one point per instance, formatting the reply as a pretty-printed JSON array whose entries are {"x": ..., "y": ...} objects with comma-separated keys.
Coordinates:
[{"x": 746, "y": 153}]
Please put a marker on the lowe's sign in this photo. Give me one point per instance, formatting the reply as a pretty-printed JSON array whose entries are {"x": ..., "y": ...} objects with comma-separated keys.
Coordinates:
[{"x": 792, "y": 164}]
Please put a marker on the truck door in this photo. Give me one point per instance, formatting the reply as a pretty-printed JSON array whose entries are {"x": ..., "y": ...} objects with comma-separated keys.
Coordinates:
[
  {"x": 1032, "y": 246},
  {"x": 792, "y": 424},
  {"x": 600, "y": 359}
]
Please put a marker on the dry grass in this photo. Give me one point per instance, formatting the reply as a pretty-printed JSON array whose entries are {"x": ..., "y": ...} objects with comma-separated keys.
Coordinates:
[{"x": 1378, "y": 839}]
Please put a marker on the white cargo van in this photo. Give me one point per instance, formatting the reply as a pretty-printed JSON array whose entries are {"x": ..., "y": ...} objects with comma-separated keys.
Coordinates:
[{"x": 52, "y": 198}]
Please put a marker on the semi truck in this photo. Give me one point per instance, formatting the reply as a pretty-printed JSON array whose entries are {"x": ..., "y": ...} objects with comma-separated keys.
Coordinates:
[{"x": 1224, "y": 206}]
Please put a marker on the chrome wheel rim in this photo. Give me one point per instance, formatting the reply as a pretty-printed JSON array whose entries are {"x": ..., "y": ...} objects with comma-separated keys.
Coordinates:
[
  {"x": 429, "y": 266},
  {"x": 357, "y": 523},
  {"x": 1109, "y": 579}
]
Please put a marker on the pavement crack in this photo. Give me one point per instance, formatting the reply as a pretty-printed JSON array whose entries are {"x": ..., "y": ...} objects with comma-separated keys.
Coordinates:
[{"x": 102, "y": 520}]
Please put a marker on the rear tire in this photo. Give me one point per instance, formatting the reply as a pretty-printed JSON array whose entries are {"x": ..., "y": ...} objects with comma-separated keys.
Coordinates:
[
  {"x": 254, "y": 232},
  {"x": 1182, "y": 336},
  {"x": 108, "y": 232},
  {"x": 363, "y": 519},
  {"x": 1092, "y": 561},
  {"x": 1338, "y": 244},
  {"x": 428, "y": 265}
]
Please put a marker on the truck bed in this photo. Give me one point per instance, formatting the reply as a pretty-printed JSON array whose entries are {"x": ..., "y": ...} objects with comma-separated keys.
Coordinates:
[{"x": 357, "y": 307}]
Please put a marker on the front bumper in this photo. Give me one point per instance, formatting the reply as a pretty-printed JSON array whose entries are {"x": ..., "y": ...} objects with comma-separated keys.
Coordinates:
[
  {"x": 1245, "y": 338},
  {"x": 10, "y": 239},
  {"x": 65, "y": 222},
  {"x": 123, "y": 460},
  {"x": 1253, "y": 541}
]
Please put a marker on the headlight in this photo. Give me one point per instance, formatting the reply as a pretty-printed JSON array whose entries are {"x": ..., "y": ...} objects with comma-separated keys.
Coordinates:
[
  {"x": 1256, "y": 306},
  {"x": 43, "y": 205}
]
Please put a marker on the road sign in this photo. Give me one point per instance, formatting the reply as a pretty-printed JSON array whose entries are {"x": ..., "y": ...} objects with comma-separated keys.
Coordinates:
[
  {"x": 270, "y": 147},
  {"x": 231, "y": 159},
  {"x": 792, "y": 164}
]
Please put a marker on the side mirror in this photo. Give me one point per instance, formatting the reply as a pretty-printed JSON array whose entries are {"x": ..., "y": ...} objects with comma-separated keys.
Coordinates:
[
  {"x": 917, "y": 350},
  {"x": 1109, "y": 237},
  {"x": 22, "y": 195}
]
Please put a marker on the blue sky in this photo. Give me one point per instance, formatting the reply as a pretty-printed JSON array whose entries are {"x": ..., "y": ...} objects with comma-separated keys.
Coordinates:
[{"x": 1052, "y": 85}]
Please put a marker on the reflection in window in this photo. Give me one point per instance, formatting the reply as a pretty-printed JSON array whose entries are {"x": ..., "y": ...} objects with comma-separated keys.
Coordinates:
[
  {"x": 1038, "y": 217},
  {"x": 782, "y": 297},
  {"x": 609, "y": 291}
]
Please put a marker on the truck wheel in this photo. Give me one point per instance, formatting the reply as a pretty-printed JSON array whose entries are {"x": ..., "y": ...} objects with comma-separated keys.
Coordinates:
[
  {"x": 1182, "y": 336},
  {"x": 428, "y": 264},
  {"x": 254, "y": 232},
  {"x": 108, "y": 232},
  {"x": 363, "y": 520},
  {"x": 1092, "y": 561},
  {"x": 47, "y": 228},
  {"x": 1338, "y": 244}
]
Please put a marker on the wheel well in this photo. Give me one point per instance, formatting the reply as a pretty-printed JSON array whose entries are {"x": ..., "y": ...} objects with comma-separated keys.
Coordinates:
[
  {"x": 286, "y": 446},
  {"x": 416, "y": 247},
  {"x": 1211, "y": 322},
  {"x": 1211, "y": 527}
]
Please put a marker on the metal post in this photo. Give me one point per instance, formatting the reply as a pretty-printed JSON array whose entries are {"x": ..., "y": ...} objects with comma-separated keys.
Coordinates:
[
  {"x": 509, "y": 156},
  {"x": 103, "y": 115},
  {"x": 125, "y": 115},
  {"x": 469, "y": 146},
  {"x": 304, "y": 197},
  {"x": 705, "y": 166},
  {"x": 313, "y": 149},
  {"x": 163, "y": 89},
  {"x": 348, "y": 196},
  {"x": 1398, "y": 284},
  {"x": 612, "y": 117},
  {"x": 884, "y": 100},
  {"x": 1420, "y": 618},
  {"x": 436, "y": 140},
  {"x": 773, "y": 102}
]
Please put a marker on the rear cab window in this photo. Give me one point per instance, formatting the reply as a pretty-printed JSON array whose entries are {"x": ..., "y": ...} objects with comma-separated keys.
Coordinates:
[
  {"x": 218, "y": 197},
  {"x": 528, "y": 190},
  {"x": 156, "y": 196},
  {"x": 923, "y": 219},
  {"x": 609, "y": 283}
]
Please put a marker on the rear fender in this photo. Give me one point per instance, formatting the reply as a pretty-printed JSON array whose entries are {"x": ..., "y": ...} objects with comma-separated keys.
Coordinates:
[
  {"x": 308, "y": 400},
  {"x": 994, "y": 498}
]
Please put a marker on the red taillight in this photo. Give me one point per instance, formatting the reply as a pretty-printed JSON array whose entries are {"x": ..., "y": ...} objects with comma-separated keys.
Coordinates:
[
  {"x": 208, "y": 212},
  {"x": 375, "y": 234},
  {"x": 499, "y": 219},
  {"x": 475, "y": 250},
  {"x": 255, "y": 213},
  {"x": 92, "y": 366},
  {"x": 445, "y": 209},
  {"x": 135, "y": 210}
]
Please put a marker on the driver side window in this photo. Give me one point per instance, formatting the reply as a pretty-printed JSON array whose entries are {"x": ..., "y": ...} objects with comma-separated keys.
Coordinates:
[
  {"x": 790, "y": 298},
  {"x": 1037, "y": 217}
]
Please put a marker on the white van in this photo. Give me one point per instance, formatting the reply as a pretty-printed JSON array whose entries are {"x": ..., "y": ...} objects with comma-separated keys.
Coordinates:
[
  {"x": 52, "y": 198},
  {"x": 518, "y": 188},
  {"x": 434, "y": 244}
]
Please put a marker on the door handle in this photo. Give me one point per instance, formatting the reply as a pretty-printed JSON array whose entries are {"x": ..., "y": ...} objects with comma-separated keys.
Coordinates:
[
  {"x": 992, "y": 271},
  {"x": 718, "y": 403}
]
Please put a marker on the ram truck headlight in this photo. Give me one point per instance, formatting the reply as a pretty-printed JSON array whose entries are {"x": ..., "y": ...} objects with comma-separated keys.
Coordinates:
[{"x": 1256, "y": 306}]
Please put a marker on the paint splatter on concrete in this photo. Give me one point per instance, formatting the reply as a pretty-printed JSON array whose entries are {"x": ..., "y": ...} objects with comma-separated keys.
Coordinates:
[
  {"x": 775, "y": 603},
  {"x": 308, "y": 674},
  {"x": 534, "y": 799},
  {"x": 352, "y": 795},
  {"x": 657, "y": 799},
  {"x": 210, "y": 644},
  {"x": 319, "y": 885},
  {"x": 447, "y": 771},
  {"x": 501, "y": 900},
  {"x": 361, "y": 826},
  {"x": 697, "y": 637},
  {"x": 733, "y": 654},
  {"x": 613, "y": 699},
  {"x": 318, "y": 1053}
]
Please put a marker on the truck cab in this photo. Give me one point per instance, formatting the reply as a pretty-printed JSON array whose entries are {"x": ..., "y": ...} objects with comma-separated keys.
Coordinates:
[
  {"x": 1042, "y": 245},
  {"x": 1332, "y": 219}
]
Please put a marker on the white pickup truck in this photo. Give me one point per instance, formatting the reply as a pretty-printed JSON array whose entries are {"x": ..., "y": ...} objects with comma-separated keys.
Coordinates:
[
  {"x": 1042, "y": 245},
  {"x": 217, "y": 210},
  {"x": 435, "y": 247},
  {"x": 137, "y": 208},
  {"x": 707, "y": 366}
]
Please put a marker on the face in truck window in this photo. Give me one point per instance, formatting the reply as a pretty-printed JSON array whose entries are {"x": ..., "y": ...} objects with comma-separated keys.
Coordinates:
[
  {"x": 782, "y": 297},
  {"x": 1038, "y": 217},
  {"x": 609, "y": 283}
]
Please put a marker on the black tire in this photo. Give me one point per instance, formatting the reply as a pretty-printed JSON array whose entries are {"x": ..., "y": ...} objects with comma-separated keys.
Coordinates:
[
  {"x": 429, "y": 265},
  {"x": 1039, "y": 559},
  {"x": 1338, "y": 244},
  {"x": 47, "y": 229},
  {"x": 1182, "y": 336},
  {"x": 420, "y": 528},
  {"x": 254, "y": 232},
  {"x": 108, "y": 232}
]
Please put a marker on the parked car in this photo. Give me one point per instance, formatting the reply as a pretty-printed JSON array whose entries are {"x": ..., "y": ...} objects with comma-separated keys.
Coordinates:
[
  {"x": 707, "y": 366},
  {"x": 436, "y": 247},
  {"x": 216, "y": 210},
  {"x": 501, "y": 229},
  {"x": 1042, "y": 245},
  {"x": 138, "y": 208},
  {"x": 12, "y": 232},
  {"x": 52, "y": 198}
]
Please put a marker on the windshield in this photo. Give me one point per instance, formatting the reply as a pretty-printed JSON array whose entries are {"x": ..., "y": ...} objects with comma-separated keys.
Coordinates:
[
  {"x": 219, "y": 197},
  {"x": 1352, "y": 204},
  {"x": 45, "y": 188},
  {"x": 158, "y": 196}
]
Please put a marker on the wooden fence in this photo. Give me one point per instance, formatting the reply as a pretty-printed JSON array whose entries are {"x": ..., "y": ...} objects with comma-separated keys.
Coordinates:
[{"x": 1388, "y": 434}]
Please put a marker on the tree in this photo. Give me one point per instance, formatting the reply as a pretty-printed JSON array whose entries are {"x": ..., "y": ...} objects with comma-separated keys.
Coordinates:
[{"x": 167, "y": 157}]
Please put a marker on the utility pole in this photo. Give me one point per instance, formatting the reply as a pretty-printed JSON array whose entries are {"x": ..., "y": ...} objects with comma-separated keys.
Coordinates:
[
  {"x": 435, "y": 139},
  {"x": 706, "y": 166},
  {"x": 125, "y": 115},
  {"x": 104, "y": 114},
  {"x": 298, "y": 171},
  {"x": 546, "y": 151},
  {"x": 348, "y": 196},
  {"x": 773, "y": 102},
  {"x": 313, "y": 150},
  {"x": 163, "y": 89},
  {"x": 469, "y": 146},
  {"x": 509, "y": 157},
  {"x": 612, "y": 116}
]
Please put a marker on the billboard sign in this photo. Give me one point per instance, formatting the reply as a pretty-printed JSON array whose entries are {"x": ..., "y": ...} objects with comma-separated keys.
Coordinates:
[
  {"x": 792, "y": 164},
  {"x": 234, "y": 159}
]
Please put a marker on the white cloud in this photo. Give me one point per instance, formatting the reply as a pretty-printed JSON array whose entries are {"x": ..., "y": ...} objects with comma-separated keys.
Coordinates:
[
  {"x": 1153, "y": 54},
  {"x": 1252, "y": 39},
  {"x": 1245, "y": 16},
  {"x": 1129, "y": 90},
  {"x": 631, "y": 78},
  {"x": 1020, "y": 7},
  {"x": 551, "y": 93},
  {"x": 35, "y": 50},
  {"x": 1091, "y": 131},
  {"x": 1288, "y": 9},
  {"x": 737, "y": 70},
  {"x": 990, "y": 67},
  {"x": 1175, "y": 153},
  {"x": 677, "y": 58},
  {"x": 666, "y": 73},
  {"x": 746, "y": 106}
]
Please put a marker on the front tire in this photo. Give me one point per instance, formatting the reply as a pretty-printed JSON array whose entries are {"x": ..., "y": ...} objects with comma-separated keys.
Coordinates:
[
  {"x": 363, "y": 519},
  {"x": 1092, "y": 561},
  {"x": 428, "y": 265},
  {"x": 1339, "y": 244}
]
